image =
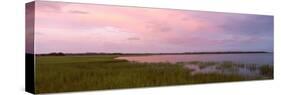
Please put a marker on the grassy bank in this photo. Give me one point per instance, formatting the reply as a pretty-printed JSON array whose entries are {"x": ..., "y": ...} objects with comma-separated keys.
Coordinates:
[{"x": 80, "y": 73}]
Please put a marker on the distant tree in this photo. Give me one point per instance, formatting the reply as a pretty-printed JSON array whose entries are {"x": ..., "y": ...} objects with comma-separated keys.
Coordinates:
[{"x": 57, "y": 54}]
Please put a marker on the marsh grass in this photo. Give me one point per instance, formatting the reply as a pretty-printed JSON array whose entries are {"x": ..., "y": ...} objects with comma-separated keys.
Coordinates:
[
  {"x": 248, "y": 71},
  {"x": 201, "y": 65},
  {"x": 98, "y": 72},
  {"x": 266, "y": 70}
]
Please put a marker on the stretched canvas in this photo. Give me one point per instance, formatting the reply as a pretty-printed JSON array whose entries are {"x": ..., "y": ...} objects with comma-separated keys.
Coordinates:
[{"x": 82, "y": 47}]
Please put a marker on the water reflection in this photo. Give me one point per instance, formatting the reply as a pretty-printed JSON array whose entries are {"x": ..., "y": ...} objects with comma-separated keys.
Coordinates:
[
  {"x": 266, "y": 58},
  {"x": 242, "y": 64}
]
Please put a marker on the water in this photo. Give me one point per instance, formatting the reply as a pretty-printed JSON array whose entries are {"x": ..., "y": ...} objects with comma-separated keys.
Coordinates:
[
  {"x": 249, "y": 62},
  {"x": 257, "y": 58}
]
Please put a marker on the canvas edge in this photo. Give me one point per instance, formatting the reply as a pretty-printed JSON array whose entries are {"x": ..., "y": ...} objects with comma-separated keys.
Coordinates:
[{"x": 29, "y": 47}]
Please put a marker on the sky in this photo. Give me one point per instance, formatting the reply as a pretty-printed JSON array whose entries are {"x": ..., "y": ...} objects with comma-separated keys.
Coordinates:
[{"x": 80, "y": 28}]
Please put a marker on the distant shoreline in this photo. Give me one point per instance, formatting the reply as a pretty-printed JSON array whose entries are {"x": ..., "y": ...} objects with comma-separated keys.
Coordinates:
[{"x": 184, "y": 53}]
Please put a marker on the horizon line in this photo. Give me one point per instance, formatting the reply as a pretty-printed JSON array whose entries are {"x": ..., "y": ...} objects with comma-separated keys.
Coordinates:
[{"x": 158, "y": 52}]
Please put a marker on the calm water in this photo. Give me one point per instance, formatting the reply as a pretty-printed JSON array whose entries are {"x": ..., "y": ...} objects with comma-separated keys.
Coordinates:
[
  {"x": 248, "y": 69},
  {"x": 258, "y": 58}
]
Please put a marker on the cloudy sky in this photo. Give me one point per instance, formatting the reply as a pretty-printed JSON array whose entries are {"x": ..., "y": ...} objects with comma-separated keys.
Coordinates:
[{"x": 79, "y": 28}]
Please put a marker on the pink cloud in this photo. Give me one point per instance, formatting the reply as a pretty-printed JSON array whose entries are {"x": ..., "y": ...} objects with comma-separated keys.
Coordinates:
[{"x": 71, "y": 27}]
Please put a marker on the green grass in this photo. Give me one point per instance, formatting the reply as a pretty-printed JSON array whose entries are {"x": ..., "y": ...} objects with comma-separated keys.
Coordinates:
[
  {"x": 201, "y": 65},
  {"x": 98, "y": 72},
  {"x": 266, "y": 70}
]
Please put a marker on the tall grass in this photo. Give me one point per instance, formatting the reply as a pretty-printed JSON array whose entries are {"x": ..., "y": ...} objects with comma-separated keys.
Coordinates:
[
  {"x": 80, "y": 73},
  {"x": 266, "y": 70}
]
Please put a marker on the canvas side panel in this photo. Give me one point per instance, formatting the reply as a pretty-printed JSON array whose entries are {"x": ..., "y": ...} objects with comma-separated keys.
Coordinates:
[{"x": 29, "y": 47}]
